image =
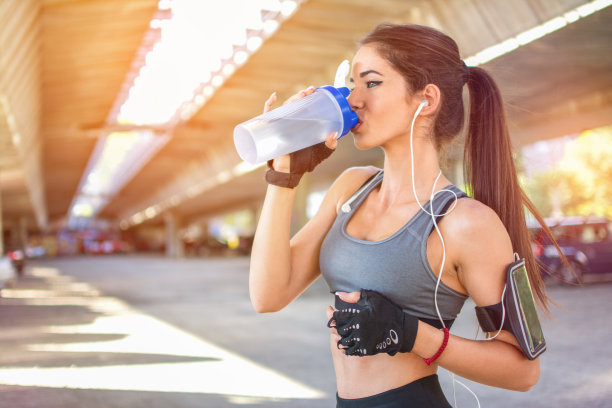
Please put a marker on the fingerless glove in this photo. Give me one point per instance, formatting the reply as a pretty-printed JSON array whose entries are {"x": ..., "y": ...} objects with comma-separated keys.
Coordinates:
[
  {"x": 302, "y": 161},
  {"x": 375, "y": 324}
]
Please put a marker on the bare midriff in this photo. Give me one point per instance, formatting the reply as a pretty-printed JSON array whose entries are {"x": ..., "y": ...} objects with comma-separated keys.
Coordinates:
[{"x": 359, "y": 377}]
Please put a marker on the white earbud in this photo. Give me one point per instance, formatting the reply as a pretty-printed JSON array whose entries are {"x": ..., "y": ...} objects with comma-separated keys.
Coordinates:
[{"x": 424, "y": 103}]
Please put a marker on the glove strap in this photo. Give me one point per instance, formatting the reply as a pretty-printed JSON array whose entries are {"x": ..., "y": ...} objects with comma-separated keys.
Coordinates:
[
  {"x": 302, "y": 161},
  {"x": 410, "y": 326},
  {"x": 281, "y": 179}
]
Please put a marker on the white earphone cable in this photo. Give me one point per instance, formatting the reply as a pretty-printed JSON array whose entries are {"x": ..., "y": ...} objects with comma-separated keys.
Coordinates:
[
  {"x": 431, "y": 212},
  {"x": 433, "y": 217}
]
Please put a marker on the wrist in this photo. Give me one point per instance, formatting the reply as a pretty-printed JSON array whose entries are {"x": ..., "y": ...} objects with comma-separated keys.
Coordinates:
[
  {"x": 438, "y": 353},
  {"x": 428, "y": 340},
  {"x": 281, "y": 178}
]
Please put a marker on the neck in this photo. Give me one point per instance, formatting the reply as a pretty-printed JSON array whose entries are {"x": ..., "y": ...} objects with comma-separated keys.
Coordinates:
[{"x": 397, "y": 183}]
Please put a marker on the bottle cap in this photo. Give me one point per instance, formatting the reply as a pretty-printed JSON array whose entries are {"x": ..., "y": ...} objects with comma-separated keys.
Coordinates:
[{"x": 349, "y": 117}]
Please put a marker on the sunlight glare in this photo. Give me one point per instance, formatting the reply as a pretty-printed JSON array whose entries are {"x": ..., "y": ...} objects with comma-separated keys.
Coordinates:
[
  {"x": 203, "y": 368},
  {"x": 193, "y": 47}
]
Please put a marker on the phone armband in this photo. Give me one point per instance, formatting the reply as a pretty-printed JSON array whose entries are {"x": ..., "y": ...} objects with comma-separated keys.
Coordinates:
[{"x": 517, "y": 314}]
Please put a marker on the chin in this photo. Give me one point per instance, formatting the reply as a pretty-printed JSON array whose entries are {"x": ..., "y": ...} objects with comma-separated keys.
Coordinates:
[
  {"x": 362, "y": 143},
  {"x": 358, "y": 142}
]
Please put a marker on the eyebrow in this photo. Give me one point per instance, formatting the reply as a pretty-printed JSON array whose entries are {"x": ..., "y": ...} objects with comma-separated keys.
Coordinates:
[{"x": 364, "y": 73}]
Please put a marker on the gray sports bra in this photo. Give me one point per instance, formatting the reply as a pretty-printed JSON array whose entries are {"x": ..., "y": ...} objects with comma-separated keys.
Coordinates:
[{"x": 397, "y": 266}]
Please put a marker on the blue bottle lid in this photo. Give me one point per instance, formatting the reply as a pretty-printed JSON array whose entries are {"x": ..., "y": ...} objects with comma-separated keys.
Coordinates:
[{"x": 349, "y": 117}]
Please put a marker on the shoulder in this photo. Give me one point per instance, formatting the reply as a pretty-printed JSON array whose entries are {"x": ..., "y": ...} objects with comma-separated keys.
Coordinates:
[
  {"x": 356, "y": 175},
  {"x": 349, "y": 182},
  {"x": 481, "y": 248},
  {"x": 471, "y": 218}
]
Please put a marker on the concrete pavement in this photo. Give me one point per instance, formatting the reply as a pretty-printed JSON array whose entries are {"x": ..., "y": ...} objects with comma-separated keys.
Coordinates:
[{"x": 136, "y": 331}]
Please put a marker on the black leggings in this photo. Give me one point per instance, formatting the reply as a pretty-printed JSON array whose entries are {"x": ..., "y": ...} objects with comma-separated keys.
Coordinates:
[{"x": 422, "y": 393}]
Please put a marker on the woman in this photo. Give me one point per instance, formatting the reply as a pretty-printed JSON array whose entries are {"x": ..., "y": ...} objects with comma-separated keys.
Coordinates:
[{"x": 408, "y": 83}]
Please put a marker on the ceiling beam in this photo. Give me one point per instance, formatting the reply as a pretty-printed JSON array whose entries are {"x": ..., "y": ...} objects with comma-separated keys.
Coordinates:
[{"x": 21, "y": 94}]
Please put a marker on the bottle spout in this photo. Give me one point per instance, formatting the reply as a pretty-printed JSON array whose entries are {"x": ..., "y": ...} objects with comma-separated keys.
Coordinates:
[{"x": 341, "y": 73}]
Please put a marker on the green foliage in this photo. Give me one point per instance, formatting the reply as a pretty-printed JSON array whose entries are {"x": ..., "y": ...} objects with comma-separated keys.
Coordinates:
[{"x": 581, "y": 182}]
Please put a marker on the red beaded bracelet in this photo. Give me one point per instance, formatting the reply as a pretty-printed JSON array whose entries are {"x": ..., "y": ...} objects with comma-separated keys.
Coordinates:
[{"x": 428, "y": 361}]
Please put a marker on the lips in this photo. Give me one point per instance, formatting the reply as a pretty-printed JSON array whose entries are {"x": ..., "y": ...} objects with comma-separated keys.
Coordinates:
[{"x": 357, "y": 126}]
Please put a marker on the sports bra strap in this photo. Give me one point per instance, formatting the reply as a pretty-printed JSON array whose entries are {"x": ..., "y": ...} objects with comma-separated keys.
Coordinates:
[
  {"x": 346, "y": 207},
  {"x": 445, "y": 208}
]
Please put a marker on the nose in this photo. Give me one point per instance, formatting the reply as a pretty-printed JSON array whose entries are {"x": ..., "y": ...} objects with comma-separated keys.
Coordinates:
[{"x": 354, "y": 100}]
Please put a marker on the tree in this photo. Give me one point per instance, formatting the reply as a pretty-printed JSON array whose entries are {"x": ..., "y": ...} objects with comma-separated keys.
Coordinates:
[{"x": 581, "y": 182}]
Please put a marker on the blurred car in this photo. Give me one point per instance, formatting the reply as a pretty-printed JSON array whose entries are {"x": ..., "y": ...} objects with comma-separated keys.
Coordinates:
[
  {"x": 586, "y": 242},
  {"x": 17, "y": 257},
  {"x": 8, "y": 272}
]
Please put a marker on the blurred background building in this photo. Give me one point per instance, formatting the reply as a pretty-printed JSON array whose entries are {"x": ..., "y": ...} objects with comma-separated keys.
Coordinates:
[{"x": 116, "y": 116}]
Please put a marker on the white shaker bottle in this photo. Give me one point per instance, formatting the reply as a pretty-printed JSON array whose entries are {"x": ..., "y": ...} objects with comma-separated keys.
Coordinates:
[{"x": 296, "y": 125}]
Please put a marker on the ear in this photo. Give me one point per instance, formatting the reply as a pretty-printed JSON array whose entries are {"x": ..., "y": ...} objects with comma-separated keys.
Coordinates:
[{"x": 431, "y": 94}]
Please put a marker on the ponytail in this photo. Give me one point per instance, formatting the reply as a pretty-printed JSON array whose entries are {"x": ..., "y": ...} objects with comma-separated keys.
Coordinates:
[
  {"x": 423, "y": 55},
  {"x": 491, "y": 175}
]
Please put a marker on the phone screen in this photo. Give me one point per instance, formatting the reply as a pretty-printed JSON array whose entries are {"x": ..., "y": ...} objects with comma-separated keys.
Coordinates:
[{"x": 535, "y": 336}]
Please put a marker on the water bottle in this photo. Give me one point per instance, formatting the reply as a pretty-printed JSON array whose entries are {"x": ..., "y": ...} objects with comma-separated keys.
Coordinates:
[{"x": 296, "y": 125}]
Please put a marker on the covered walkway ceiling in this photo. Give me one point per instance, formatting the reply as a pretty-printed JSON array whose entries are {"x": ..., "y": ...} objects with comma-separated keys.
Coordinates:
[{"x": 62, "y": 64}]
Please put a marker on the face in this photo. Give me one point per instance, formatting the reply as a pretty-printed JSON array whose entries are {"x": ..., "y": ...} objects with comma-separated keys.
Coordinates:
[{"x": 381, "y": 99}]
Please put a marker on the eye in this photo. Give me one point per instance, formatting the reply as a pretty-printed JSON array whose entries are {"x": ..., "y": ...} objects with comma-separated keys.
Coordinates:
[{"x": 372, "y": 84}]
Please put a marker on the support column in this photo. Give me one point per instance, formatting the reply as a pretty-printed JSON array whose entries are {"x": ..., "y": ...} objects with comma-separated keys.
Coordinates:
[
  {"x": 14, "y": 237},
  {"x": 19, "y": 234},
  {"x": 23, "y": 232},
  {"x": 174, "y": 243},
  {"x": 203, "y": 249}
]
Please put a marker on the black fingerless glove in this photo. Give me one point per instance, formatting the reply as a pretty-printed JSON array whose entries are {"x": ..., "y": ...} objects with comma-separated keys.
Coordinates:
[
  {"x": 373, "y": 325},
  {"x": 302, "y": 161}
]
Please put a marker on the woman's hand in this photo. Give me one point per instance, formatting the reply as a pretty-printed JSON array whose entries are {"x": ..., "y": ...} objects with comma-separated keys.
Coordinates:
[
  {"x": 283, "y": 163},
  {"x": 352, "y": 297},
  {"x": 372, "y": 325}
]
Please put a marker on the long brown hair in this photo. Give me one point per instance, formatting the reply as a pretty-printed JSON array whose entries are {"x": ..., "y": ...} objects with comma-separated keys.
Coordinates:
[{"x": 424, "y": 56}]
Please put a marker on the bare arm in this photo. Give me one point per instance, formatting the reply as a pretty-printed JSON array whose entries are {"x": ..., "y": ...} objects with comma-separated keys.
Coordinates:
[
  {"x": 480, "y": 247},
  {"x": 495, "y": 363},
  {"x": 270, "y": 275},
  {"x": 282, "y": 268},
  {"x": 272, "y": 281}
]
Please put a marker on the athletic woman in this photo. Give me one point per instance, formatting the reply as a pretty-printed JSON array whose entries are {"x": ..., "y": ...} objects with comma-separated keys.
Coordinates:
[{"x": 374, "y": 239}]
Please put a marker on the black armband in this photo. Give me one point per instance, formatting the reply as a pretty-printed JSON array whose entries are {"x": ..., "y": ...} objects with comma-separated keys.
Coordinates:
[{"x": 516, "y": 312}]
